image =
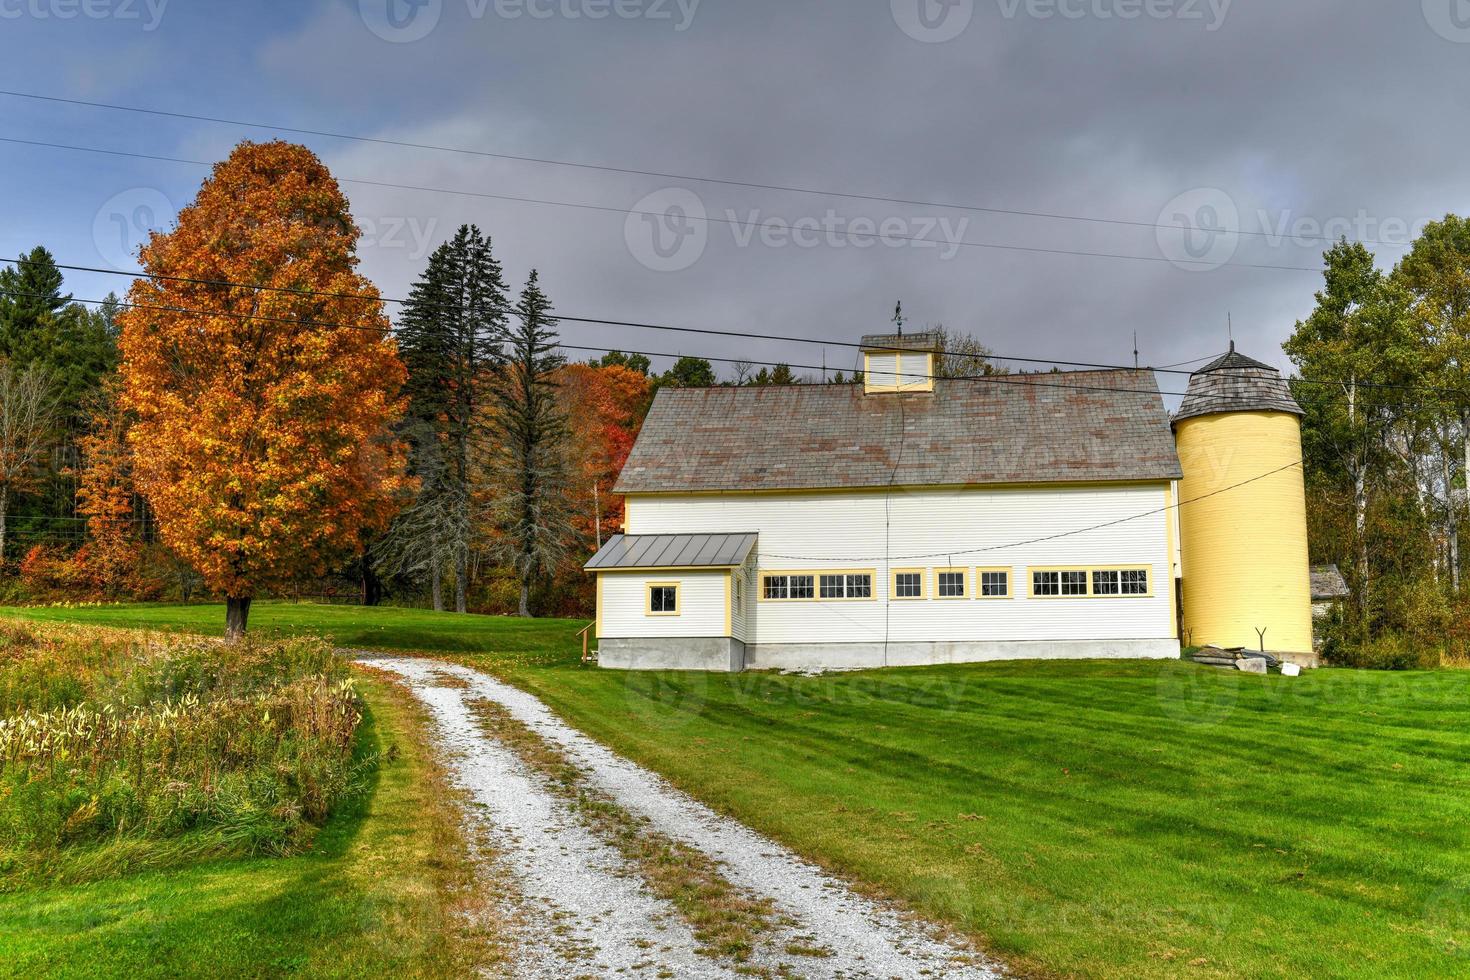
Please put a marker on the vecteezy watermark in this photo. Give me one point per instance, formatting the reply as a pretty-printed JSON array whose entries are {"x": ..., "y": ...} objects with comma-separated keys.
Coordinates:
[
  {"x": 933, "y": 21},
  {"x": 125, "y": 221},
  {"x": 414, "y": 236},
  {"x": 669, "y": 230},
  {"x": 148, "y": 12},
  {"x": 1199, "y": 698},
  {"x": 936, "y": 21},
  {"x": 1450, "y": 19},
  {"x": 833, "y": 230},
  {"x": 1201, "y": 229},
  {"x": 405, "y": 21}
]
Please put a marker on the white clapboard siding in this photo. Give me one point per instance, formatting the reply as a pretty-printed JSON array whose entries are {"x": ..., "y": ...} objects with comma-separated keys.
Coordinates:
[
  {"x": 852, "y": 531},
  {"x": 625, "y": 603},
  {"x": 744, "y": 580}
]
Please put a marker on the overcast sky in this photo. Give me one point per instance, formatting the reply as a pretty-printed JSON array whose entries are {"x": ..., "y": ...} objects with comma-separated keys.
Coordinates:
[{"x": 1290, "y": 121}]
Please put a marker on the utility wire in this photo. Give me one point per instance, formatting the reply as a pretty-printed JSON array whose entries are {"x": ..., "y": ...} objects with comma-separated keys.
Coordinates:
[
  {"x": 632, "y": 324},
  {"x": 665, "y": 175},
  {"x": 1024, "y": 380},
  {"x": 1175, "y": 369},
  {"x": 734, "y": 222},
  {"x": 1049, "y": 537}
]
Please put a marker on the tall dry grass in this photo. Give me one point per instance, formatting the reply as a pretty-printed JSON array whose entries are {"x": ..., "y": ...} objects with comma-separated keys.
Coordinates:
[{"x": 106, "y": 737}]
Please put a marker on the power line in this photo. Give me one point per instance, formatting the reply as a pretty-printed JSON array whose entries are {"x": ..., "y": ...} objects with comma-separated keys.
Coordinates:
[
  {"x": 1025, "y": 380},
  {"x": 706, "y": 331},
  {"x": 1049, "y": 537},
  {"x": 1174, "y": 369},
  {"x": 664, "y": 175},
  {"x": 733, "y": 222}
]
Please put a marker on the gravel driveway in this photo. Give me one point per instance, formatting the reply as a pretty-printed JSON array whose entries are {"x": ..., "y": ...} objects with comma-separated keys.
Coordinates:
[{"x": 583, "y": 909}]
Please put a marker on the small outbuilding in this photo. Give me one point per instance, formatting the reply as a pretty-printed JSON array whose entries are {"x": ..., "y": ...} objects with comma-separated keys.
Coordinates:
[{"x": 1328, "y": 589}]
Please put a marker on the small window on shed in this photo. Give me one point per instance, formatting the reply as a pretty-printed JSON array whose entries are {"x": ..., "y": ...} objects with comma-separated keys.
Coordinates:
[
  {"x": 1107, "y": 582},
  {"x": 663, "y": 600}
]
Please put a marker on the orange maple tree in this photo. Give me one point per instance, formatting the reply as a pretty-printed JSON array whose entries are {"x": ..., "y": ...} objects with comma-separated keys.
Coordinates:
[
  {"x": 263, "y": 380},
  {"x": 605, "y": 407},
  {"x": 105, "y": 498}
]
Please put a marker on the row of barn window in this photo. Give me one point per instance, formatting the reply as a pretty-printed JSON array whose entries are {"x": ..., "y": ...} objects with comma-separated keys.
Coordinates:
[{"x": 913, "y": 584}]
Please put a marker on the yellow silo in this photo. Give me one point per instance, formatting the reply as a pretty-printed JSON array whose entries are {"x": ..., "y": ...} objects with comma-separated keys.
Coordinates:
[{"x": 1243, "y": 510}]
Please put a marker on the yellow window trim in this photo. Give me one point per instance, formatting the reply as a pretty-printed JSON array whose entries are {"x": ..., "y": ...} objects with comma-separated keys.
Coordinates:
[
  {"x": 729, "y": 603},
  {"x": 924, "y": 380},
  {"x": 816, "y": 575},
  {"x": 965, "y": 580},
  {"x": 648, "y": 599},
  {"x": 893, "y": 585},
  {"x": 1009, "y": 573},
  {"x": 1088, "y": 570}
]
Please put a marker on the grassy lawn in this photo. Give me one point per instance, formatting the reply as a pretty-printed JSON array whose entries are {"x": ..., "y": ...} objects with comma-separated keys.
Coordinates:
[
  {"x": 380, "y": 893},
  {"x": 1099, "y": 819},
  {"x": 509, "y": 640}
]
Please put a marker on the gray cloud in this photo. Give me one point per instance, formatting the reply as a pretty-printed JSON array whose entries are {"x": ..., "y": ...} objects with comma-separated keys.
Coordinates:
[{"x": 1313, "y": 110}]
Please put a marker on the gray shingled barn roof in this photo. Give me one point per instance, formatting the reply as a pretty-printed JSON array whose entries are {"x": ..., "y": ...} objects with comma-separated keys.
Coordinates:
[
  {"x": 1074, "y": 427},
  {"x": 1236, "y": 383},
  {"x": 673, "y": 551}
]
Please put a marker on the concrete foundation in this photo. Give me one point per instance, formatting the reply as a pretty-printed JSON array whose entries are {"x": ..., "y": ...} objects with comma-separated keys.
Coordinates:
[
  {"x": 718, "y": 654},
  {"x": 727, "y": 655}
]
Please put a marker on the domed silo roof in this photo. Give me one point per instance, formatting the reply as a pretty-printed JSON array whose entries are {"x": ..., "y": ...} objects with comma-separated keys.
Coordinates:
[{"x": 1236, "y": 383}]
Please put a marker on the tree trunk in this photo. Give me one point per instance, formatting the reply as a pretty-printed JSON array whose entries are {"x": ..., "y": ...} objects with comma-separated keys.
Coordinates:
[
  {"x": 525, "y": 611},
  {"x": 372, "y": 586},
  {"x": 437, "y": 587},
  {"x": 1452, "y": 523},
  {"x": 1360, "y": 523},
  {"x": 237, "y": 613},
  {"x": 461, "y": 576},
  {"x": 4, "y": 509},
  {"x": 1360, "y": 504}
]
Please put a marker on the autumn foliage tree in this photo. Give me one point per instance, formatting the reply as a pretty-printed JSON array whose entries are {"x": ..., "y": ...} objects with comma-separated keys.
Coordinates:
[
  {"x": 605, "y": 408},
  {"x": 263, "y": 380},
  {"x": 105, "y": 497}
]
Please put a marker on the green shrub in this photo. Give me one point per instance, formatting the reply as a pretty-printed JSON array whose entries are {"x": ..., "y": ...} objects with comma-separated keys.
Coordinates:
[{"x": 1387, "y": 651}]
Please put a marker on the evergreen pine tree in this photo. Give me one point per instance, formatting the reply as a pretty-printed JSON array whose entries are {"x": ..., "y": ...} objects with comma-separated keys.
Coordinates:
[
  {"x": 531, "y": 504},
  {"x": 449, "y": 339},
  {"x": 30, "y": 295}
]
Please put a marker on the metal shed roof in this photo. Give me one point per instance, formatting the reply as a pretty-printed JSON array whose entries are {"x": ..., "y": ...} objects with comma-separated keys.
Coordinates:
[{"x": 673, "y": 551}]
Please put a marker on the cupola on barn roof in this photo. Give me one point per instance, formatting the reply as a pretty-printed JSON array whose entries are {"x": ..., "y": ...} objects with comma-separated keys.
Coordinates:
[{"x": 1236, "y": 383}]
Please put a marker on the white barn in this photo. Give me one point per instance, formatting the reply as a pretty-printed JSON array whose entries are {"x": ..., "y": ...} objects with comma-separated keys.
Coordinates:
[{"x": 904, "y": 521}]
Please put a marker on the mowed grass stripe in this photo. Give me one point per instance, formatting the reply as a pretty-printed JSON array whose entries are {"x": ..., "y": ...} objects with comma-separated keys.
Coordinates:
[{"x": 1156, "y": 820}]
